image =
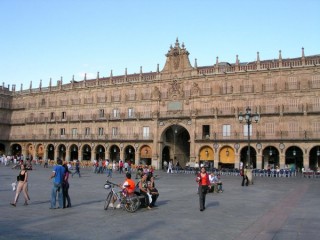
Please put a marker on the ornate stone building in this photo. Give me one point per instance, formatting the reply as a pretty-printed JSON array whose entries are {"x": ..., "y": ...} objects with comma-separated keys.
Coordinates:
[{"x": 185, "y": 113}]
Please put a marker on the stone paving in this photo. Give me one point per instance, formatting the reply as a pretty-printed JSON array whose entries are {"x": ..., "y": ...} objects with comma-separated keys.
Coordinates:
[{"x": 272, "y": 208}]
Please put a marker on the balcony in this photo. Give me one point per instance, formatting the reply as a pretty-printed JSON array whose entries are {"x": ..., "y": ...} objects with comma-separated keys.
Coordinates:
[
  {"x": 259, "y": 136},
  {"x": 82, "y": 137}
]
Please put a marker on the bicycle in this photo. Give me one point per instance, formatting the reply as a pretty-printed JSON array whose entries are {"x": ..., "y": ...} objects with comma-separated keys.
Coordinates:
[{"x": 130, "y": 202}]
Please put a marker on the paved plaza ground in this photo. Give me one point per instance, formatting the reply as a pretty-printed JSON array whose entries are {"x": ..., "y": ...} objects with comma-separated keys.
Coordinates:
[{"x": 272, "y": 208}]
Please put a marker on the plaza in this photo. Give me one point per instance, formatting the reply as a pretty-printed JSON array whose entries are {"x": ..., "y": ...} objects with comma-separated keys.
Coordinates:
[{"x": 272, "y": 208}]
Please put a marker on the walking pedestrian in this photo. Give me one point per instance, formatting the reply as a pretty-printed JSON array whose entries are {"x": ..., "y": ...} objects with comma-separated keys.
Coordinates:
[
  {"x": 22, "y": 179},
  {"x": 77, "y": 169},
  {"x": 204, "y": 185}
]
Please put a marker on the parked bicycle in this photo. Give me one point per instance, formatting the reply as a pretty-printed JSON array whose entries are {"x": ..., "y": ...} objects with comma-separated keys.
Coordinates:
[{"x": 129, "y": 202}]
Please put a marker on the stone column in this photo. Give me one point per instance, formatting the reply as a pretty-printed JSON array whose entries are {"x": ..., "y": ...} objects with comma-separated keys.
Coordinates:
[
  {"x": 306, "y": 162},
  {"x": 282, "y": 160},
  {"x": 259, "y": 160}
]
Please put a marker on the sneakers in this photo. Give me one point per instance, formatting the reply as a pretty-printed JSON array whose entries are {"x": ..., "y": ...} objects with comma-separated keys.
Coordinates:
[
  {"x": 118, "y": 206},
  {"x": 111, "y": 205}
]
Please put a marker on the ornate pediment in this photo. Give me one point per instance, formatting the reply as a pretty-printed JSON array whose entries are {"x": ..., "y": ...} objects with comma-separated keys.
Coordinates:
[{"x": 177, "y": 59}]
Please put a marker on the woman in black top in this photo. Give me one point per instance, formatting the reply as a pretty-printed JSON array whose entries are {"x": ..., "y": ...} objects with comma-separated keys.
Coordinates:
[{"x": 22, "y": 179}]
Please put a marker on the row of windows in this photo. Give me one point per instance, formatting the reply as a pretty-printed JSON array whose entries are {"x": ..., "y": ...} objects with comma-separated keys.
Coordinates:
[
  {"x": 226, "y": 130},
  {"x": 100, "y": 131},
  {"x": 101, "y": 112}
]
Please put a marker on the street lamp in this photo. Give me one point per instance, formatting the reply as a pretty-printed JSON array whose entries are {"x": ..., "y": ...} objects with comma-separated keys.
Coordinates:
[{"x": 248, "y": 117}]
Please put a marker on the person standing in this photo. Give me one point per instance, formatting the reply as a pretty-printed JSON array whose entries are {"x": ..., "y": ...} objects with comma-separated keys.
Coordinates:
[
  {"x": 245, "y": 179},
  {"x": 120, "y": 166},
  {"x": 65, "y": 187},
  {"x": 57, "y": 175},
  {"x": 77, "y": 169},
  {"x": 204, "y": 185},
  {"x": 169, "y": 167},
  {"x": 22, "y": 179}
]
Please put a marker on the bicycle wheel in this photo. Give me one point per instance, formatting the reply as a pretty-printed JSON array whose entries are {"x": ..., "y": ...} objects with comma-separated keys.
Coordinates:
[
  {"x": 108, "y": 200},
  {"x": 132, "y": 204}
]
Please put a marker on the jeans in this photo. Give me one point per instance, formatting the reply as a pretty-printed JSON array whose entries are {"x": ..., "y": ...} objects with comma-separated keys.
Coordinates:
[
  {"x": 57, "y": 188},
  {"x": 202, "y": 190}
]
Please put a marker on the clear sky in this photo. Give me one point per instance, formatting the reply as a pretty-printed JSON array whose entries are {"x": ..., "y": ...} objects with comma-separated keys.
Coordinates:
[{"x": 43, "y": 39}]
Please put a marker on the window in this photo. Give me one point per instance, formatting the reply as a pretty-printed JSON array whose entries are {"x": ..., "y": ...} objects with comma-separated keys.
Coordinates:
[
  {"x": 206, "y": 108},
  {"x": 226, "y": 130},
  {"x": 115, "y": 113},
  {"x": 64, "y": 115},
  {"x": 146, "y": 132},
  {"x": 62, "y": 131},
  {"x": 293, "y": 128},
  {"x": 100, "y": 131},
  {"x": 43, "y": 102},
  {"x": 245, "y": 130},
  {"x": 52, "y": 116},
  {"x": 132, "y": 94},
  {"x": 114, "y": 131},
  {"x": 74, "y": 131},
  {"x": 270, "y": 128},
  {"x": 206, "y": 131},
  {"x": 51, "y": 131},
  {"x": 87, "y": 131},
  {"x": 101, "y": 113},
  {"x": 130, "y": 113}
]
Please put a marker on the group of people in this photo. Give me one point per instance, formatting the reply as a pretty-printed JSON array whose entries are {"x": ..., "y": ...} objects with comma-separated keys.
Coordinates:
[
  {"x": 145, "y": 187},
  {"x": 60, "y": 176},
  {"x": 101, "y": 166}
]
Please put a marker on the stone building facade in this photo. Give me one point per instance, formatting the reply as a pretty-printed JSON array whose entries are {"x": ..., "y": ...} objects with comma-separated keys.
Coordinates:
[{"x": 182, "y": 113}]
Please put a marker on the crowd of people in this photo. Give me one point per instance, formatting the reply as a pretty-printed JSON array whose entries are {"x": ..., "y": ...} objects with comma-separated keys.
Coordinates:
[{"x": 145, "y": 186}]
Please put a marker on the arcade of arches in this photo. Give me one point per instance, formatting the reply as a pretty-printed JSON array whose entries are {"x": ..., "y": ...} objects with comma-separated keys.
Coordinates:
[{"x": 174, "y": 146}]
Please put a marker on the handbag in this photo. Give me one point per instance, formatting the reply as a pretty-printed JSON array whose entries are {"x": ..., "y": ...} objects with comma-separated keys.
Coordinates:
[{"x": 18, "y": 178}]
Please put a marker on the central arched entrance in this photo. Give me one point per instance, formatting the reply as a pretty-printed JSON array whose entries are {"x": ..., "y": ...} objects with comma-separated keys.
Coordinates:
[{"x": 175, "y": 146}]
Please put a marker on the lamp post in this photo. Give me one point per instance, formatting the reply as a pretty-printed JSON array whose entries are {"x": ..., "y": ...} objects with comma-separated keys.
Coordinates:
[{"x": 248, "y": 117}]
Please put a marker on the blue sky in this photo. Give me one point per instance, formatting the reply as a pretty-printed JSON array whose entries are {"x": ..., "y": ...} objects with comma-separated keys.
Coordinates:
[{"x": 43, "y": 39}]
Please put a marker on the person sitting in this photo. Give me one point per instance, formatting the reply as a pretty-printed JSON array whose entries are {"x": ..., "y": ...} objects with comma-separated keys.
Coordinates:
[
  {"x": 213, "y": 182},
  {"x": 216, "y": 184},
  {"x": 128, "y": 185},
  {"x": 143, "y": 187},
  {"x": 153, "y": 191}
]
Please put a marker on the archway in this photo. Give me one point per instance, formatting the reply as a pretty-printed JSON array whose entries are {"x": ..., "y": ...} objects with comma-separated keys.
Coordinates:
[
  {"x": 16, "y": 150},
  {"x": 130, "y": 154},
  {"x": 39, "y": 152},
  {"x": 145, "y": 155},
  {"x": 175, "y": 145},
  {"x": 100, "y": 152},
  {"x": 50, "y": 150},
  {"x": 314, "y": 158},
  {"x": 206, "y": 157},
  {"x": 165, "y": 157},
  {"x": 245, "y": 158},
  {"x": 74, "y": 152},
  {"x": 86, "y": 152},
  {"x": 2, "y": 149},
  {"x": 270, "y": 157},
  {"x": 30, "y": 152},
  {"x": 62, "y": 152},
  {"x": 294, "y": 158},
  {"x": 114, "y": 152},
  {"x": 227, "y": 158}
]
